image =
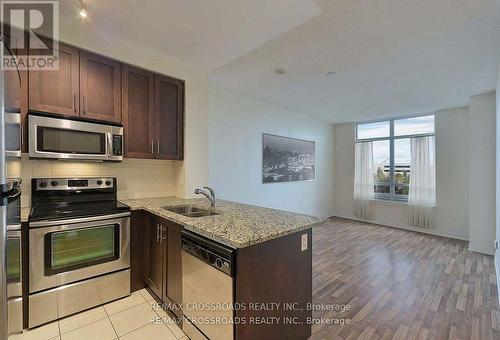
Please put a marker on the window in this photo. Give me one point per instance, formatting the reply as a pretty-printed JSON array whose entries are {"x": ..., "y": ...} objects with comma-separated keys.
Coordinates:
[{"x": 392, "y": 154}]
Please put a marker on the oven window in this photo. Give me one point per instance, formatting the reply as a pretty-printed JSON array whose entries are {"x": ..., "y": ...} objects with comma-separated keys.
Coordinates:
[
  {"x": 70, "y": 141},
  {"x": 78, "y": 248},
  {"x": 13, "y": 260}
]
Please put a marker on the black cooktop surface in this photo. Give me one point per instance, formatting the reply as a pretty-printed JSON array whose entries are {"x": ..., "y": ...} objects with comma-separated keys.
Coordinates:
[{"x": 58, "y": 211}]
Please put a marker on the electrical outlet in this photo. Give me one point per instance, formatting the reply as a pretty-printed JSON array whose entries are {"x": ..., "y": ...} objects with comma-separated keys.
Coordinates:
[{"x": 303, "y": 243}]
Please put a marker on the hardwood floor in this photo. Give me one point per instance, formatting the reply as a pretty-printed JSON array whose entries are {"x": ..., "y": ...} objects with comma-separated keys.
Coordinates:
[{"x": 401, "y": 285}]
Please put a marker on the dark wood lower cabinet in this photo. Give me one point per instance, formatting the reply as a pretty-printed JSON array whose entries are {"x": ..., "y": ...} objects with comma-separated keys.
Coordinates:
[
  {"x": 162, "y": 261},
  {"x": 276, "y": 273},
  {"x": 279, "y": 272},
  {"x": 138, "y": 224},
  {"x": 154, "y": 259}
]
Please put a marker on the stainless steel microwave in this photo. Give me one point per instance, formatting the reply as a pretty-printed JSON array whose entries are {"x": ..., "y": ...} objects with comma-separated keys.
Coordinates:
[{"x": 60, "y": 138}]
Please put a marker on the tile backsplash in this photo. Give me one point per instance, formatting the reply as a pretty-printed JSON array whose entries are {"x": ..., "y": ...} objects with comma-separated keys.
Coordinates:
[{"x": 137, "y": 178}]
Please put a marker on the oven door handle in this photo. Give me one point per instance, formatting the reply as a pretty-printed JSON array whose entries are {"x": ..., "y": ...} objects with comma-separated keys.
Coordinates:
[{"x": 77, "y": 220}]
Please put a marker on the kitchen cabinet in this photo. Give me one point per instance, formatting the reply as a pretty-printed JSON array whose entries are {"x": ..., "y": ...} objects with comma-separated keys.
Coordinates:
[
  {"x": 16, "y": 86},
  {"x": 163, "y": 264},
  {"x": 100, "y": 87},
  {"x": 169, "y": 117},
  {"x": 138, "y": 224},
  {"x": 57, "y": 91},
  {"x": 155, "y": 256},
  {"x": 138, "y": 112},
  {"x": 153, "y": 115},
  {"x": 85, "y": 84}
]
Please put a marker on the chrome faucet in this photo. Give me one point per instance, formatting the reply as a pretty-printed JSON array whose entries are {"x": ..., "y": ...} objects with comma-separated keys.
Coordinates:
[{"x": 210, "y": 194}]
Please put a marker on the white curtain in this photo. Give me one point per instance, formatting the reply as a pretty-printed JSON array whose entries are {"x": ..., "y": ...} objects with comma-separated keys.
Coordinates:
[
  {"x": 422, "y": 191},
  {"x": 363, "y": 179}
]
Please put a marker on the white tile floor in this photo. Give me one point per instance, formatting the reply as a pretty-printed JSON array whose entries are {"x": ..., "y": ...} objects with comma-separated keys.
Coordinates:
[{"x": 135, "y": 317}]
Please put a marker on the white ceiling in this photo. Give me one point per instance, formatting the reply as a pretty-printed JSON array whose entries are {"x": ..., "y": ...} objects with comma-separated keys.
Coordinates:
[
  {"x": 203, "y": 33},
  {"x": 393, "y": 57}
]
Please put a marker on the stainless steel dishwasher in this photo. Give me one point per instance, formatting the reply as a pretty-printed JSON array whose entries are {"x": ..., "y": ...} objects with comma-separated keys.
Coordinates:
[{"x": 207, "y": 288}]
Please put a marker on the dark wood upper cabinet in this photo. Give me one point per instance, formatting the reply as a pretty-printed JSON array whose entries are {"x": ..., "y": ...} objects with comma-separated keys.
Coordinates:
[
  {"x": 13, "y": 81},
  {"x": 138, "y": 112},
  {"x": 169, "y": 117},
  {"x": 100, "y": 85},
  {"x": 16, "y": 85},
  {"x": 57, "y": 91}
]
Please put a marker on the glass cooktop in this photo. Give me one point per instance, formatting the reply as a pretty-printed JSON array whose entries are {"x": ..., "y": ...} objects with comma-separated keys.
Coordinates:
[{"x": 58, "y": 211}]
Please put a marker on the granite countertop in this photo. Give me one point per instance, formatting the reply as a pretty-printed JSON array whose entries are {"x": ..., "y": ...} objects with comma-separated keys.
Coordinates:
[{"x": 237, "y": 225}]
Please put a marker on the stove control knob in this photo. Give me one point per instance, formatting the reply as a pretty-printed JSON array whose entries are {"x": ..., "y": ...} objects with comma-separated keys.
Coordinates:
[
  {"x": 218, "y": 263},
  {"x": 108, "y": 183},
  {"x": 53, "y": 183},
  {"x": 99, "y": 182},
  {"x": 43, "y": 184}
]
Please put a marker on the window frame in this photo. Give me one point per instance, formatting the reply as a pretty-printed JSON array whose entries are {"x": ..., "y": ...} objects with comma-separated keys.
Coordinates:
[{"x": 392, "y": 196}]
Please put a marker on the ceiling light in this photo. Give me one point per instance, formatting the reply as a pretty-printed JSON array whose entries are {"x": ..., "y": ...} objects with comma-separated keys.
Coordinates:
[
  {"x": 280, "y": 71},
  {"x": 83, "y": 10}
]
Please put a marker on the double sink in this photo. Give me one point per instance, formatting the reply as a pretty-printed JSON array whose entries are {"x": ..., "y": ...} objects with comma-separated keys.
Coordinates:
[{"x": 190, "y": 211}]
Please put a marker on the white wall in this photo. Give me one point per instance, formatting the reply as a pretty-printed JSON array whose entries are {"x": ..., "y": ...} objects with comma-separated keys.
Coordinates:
[
  {"x": 236, "y": 125},
  {"x": 497, "y": 234},
  {"x": 482, "y": 174},
  {"x": 194, "y": 170},
  {"x": 452, "y": 168}
]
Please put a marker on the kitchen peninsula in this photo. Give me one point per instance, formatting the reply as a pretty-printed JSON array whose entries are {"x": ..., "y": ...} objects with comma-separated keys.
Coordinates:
[{"x": 270, "y": 268}]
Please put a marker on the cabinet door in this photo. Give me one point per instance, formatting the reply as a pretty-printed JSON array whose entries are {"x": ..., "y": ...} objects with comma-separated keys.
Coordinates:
[
  {"x": 56, "y": 91},
  {"x": 16, "y": 85},
  {"x": 138, "y": 228},
  {"x": 100, "y": 84},
  {"x": 138, "y": 112},
  {"x": 154, "y": 257},
  {"x": 174, "y": 266},
  {"x": 14, "y": 81},
  {"x": 169, "y": 117}
]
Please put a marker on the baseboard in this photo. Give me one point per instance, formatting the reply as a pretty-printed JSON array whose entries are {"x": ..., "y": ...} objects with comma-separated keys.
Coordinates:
[
  {"x": 325, "y": 215},
  {"x": 436, "y": 232},
  {"x": 480, "y": 248}
]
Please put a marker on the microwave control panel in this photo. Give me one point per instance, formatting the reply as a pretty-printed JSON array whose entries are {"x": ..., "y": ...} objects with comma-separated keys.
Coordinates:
[{"x": 117, "y": 145}]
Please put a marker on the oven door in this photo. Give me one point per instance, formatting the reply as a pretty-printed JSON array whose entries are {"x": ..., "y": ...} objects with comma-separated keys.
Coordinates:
[
  {"x": 69, "y": 139},
  {"x": 13, "y": 134},
  {"x": 63, "y": 252}
]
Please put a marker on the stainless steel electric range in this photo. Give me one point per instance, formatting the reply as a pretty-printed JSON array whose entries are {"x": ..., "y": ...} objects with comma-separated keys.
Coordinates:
[{"x": 79, "y": 246}]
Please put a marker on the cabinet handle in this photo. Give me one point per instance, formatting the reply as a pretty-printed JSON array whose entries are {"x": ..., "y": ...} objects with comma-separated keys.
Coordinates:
[
  {"x": 158, "y": 147},
  {"x": 163, "y": 230},
  {"x": 83, "y": 104},
  {"x": 152, "y": 147},
  {"x": 74, "y": 102},
  {"x": 158, "y": 236}
]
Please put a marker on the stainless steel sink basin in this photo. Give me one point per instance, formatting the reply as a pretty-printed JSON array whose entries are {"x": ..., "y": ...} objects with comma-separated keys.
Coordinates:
[{"x": 190, "y": 211}]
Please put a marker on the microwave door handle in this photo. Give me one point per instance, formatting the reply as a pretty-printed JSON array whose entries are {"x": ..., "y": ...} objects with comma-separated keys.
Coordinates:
[{"x": 108, "y": 144}]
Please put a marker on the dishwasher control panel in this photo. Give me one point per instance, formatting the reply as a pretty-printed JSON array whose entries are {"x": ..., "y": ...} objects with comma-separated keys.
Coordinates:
[{"x": 214, "y": 254}]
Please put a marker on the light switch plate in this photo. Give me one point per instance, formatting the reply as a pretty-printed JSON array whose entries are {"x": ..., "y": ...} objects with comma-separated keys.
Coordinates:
[{"x": 303, "y": 242}]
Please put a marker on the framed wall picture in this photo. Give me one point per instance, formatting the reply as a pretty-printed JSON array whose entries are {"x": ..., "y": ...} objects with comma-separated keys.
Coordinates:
[{"x": 286, "y": 159}]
